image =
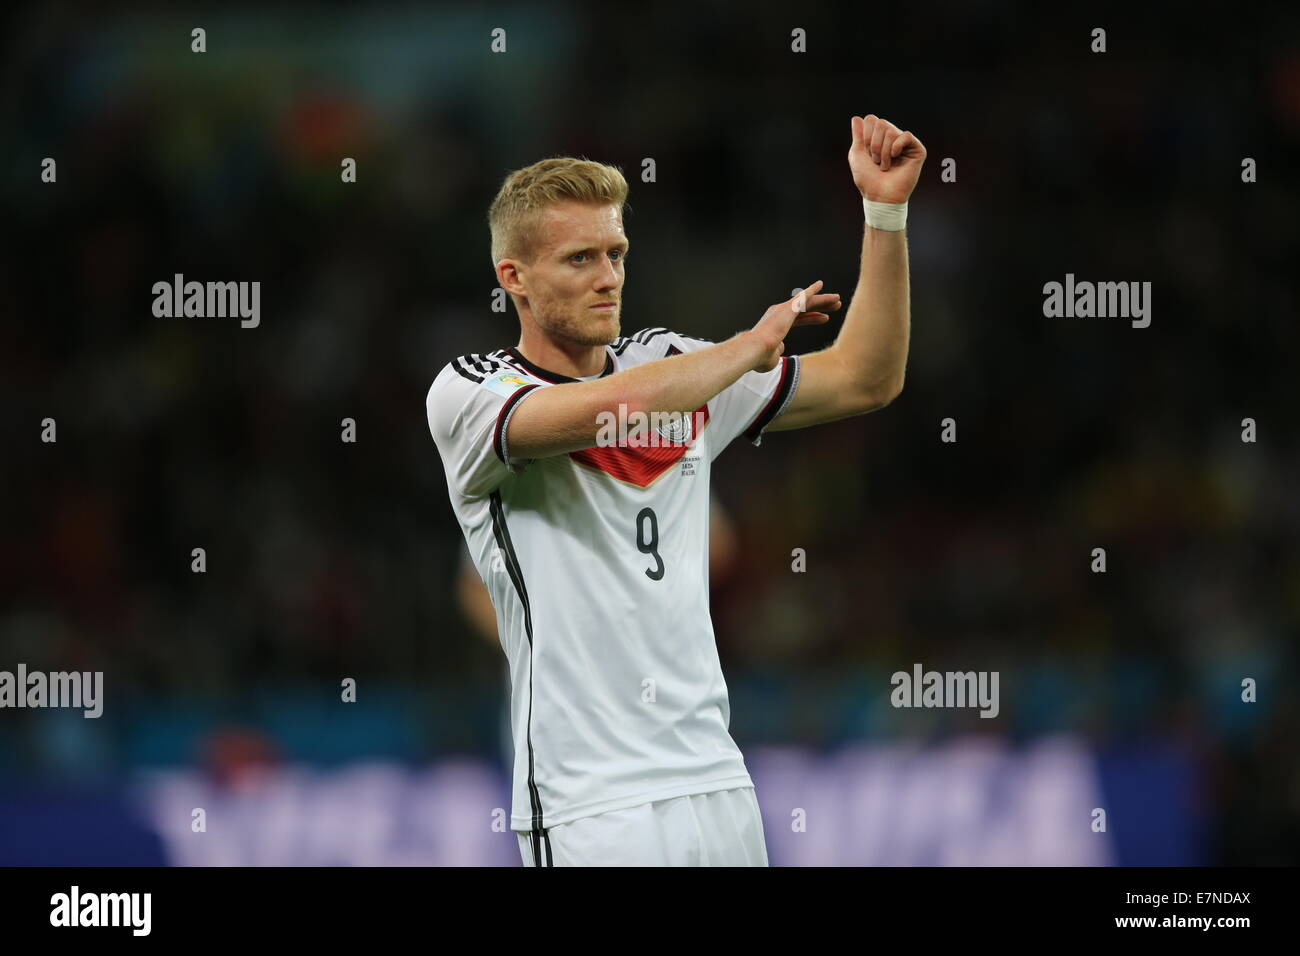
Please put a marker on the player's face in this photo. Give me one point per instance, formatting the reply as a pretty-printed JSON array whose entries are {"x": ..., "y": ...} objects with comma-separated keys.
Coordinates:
[{"x": 579, "y": 267}]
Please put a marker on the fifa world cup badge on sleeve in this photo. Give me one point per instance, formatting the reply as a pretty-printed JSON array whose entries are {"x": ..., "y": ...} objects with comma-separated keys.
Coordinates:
[{"x": 506, "y": 384}]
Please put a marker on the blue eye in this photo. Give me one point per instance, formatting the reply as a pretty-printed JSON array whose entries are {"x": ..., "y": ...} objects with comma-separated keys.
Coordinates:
[{"x": 615, "y": 252}]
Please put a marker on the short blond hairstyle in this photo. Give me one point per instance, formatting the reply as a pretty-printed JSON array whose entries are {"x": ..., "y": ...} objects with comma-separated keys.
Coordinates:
[{"x": 515, "y": 216}]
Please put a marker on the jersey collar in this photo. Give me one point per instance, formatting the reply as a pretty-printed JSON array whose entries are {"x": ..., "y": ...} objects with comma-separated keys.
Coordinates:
[{"x": 555, "y": 376}]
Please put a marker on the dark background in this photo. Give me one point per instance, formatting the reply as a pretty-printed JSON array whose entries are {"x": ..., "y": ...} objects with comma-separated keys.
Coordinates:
[{"x": 329, "y": 560}]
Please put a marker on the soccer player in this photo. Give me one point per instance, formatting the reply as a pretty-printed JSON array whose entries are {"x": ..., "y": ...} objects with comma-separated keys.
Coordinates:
[{"x": 592, "y": 537}]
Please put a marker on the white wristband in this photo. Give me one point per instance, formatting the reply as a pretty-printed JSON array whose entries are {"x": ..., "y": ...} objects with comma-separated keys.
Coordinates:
[{"x": 890, "y": 216}]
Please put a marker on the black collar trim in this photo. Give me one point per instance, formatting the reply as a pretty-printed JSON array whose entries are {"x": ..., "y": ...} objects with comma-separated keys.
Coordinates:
[{"x": 555, "y": 377}]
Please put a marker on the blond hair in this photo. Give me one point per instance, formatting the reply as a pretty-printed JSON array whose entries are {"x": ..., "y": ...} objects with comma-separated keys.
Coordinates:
[{"x": 515, "y": 216}]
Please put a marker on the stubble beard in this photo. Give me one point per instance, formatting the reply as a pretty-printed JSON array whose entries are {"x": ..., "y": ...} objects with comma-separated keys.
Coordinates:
[{"x": 598, "y": 329}]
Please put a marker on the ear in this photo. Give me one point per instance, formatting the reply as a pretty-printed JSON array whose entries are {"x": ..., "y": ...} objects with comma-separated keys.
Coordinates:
[{"x": 508, "y": 276}]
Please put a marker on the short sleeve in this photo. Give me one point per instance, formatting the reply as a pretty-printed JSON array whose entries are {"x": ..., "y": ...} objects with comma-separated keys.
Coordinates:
[
  {"x": 751, "y": 403},
  {"x": 469, "y": 406}
]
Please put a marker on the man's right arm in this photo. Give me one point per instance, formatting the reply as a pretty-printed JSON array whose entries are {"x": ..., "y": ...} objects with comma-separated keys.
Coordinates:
[{"x": 564, "y": 418}]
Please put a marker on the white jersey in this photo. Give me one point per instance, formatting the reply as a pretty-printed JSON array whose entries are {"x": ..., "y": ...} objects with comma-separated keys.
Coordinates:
[{"x": 597, "y": 564}]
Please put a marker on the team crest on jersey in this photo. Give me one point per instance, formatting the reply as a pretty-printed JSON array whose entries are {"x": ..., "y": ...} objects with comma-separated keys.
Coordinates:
[{"x": 678, "y": 430}]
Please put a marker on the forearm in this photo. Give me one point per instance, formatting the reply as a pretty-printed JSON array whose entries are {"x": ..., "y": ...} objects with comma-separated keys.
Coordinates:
[
  {"x": 569, "y": 417},
  {"x": 681, "y": 383},
  {"x": 873, "y": 340}
]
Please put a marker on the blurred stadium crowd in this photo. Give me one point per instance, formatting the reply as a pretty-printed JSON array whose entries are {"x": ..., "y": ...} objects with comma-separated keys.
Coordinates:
[{"x": 328, "y": 560}]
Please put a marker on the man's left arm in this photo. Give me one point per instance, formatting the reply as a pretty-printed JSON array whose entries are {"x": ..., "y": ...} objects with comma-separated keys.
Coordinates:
[{"x": 863, "y": 369}]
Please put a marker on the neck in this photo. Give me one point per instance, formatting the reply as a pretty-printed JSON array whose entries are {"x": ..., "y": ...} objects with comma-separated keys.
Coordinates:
[{"x": 567, "y": 358}]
